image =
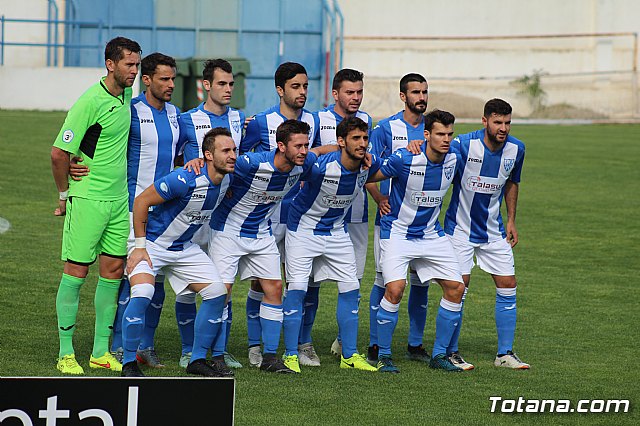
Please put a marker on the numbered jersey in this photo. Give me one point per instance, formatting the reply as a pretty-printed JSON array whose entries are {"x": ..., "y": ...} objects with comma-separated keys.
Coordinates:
[{"x": 474, "y": 210}]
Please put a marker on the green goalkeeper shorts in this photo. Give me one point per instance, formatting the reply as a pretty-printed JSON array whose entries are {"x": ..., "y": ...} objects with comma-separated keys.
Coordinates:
[{"x": 94, "y": 227}]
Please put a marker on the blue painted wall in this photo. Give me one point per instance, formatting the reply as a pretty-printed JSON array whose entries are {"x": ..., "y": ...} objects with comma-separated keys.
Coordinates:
[{"x": 251, "y": 29}]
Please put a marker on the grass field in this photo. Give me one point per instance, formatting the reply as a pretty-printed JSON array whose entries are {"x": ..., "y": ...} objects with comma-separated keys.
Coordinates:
[{"x": 577, "y": 266}]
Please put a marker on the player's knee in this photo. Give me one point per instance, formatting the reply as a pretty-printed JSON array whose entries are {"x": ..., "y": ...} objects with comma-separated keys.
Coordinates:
[
  {"x": 145, "y": 290},
  {"x": 505, "y": 281},
  {"x": 255, "y": 286},
  {"x": 212, "y": 291},
  {"x": 394, "y": 292}
]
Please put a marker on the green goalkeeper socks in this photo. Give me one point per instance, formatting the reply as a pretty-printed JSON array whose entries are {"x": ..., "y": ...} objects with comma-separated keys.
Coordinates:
[
  {"x": 106, "y": 303},
  {"x": 67, "y": 310}
]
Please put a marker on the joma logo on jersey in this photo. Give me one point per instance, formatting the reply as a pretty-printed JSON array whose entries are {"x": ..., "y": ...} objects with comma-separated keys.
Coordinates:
[
  {"x": 416, "y": 173},
  {"x": 203, "y": 126},
  {"x": 199, "y": 196},
  {"x": 263, "y": 179},
  {"x": 146, "y": 120},
  {"x": 272, "y": 131},
  {"x": 327, "y": 127},
  {"x": 399, "y": 138},
  {"x": 474, "y": 160},
  {"x": 333, "y": 181}
]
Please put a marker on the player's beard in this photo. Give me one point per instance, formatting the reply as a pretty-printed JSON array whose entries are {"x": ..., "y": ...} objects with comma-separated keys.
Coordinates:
[
  {"x": 413, "y": 107},
  {"x": 493, "y": 137}
]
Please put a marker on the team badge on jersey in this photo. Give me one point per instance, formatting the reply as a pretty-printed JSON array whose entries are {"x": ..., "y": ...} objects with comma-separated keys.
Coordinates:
[
  {"x": 508, "y": 164},
  {"x": 361, "y": 180},
  {"x": 236, "y": 125},
  {"x": 67, "y": 136},
  {"x": 448, "y": 172},
  {"x": 173, "y": 119},
  {"x": 292, "y": 179}
]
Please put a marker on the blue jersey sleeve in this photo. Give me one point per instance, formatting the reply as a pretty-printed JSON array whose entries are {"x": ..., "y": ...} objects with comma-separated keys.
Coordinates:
[
  {"x": 188, "y": 138},
  {"x": 377, "y": 142},
  {"x": 315, "y": 141},
  {"x": 376, "y": 163},
  {"x": 174, "y": 185},
  {"x": 392, "y": 166},
  {"x": 243, "y": 166},
  {"x": 517, "y": 168},
  {"x": 251, "y": 136},
  {"x": 308, "y": 166}
]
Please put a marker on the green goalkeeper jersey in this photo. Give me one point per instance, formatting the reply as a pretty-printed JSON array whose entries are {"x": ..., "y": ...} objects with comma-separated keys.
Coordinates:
[{"x": 97, "y": 130}]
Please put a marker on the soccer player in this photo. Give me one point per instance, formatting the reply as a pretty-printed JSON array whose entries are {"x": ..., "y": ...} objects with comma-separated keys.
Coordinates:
[
  {"x": 184, "y": 202},
  {"x": 411, "y": 233},
  {"x": 492, "y": 166},
  {"x": 242, "y": 240},
  {"x": 97, "y": 218},
  {"x": 291, "y": 83},
  {"x": 389, "y": 135},
  {"x": 318, "y": 240},
  {"x": 347, "y": 90},
  {"x": 217, "y": 78},
  {"x": 151, "y": 154}
]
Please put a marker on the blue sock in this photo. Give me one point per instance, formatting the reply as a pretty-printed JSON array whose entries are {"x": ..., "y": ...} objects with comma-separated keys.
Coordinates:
[
  {"x": 253, "y": 317},
  {"x": 375, "y": 297},
  {"x": 292, "y": 310},
  {"x": 386, "y": 320},
  {"x": 133, "y": 321},
  {"x": 446, "y": 323},
  {"x": 123, "y": 300},
  {"x": 152, "y": 316},
  {"x": 505, "y": 318},
  {"x": 186, "y": 316},
  {"x": 347, "y": 316},
  {"x": 271, "y": 322},
  {"x": 453, "y": 347},
  {"x": 309, "y": 314},
  {"x": 227, "y": 328},
  {"x": 207, "y": 325},
  {"x": 417, "y": 307},
  {"x": 218, "y": 345}
]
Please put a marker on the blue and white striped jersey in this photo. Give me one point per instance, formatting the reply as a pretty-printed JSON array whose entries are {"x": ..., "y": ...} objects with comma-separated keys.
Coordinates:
[
  {"x": 191, "y": 199},
  {"x": 261, "y": 137},
  {"x": 153, "y": 144},
  {"x": 417, "y": 191},
  {"x": 196, "y": 122},
  {"x": 323, "y": 201},
  {"x": 328, "y": 120},
  {"x": 261, "y": 131},
  {"x": 258, "y": 188},
  {"x": 478, "y": 188},
  {"x": 388, "y": 136}
]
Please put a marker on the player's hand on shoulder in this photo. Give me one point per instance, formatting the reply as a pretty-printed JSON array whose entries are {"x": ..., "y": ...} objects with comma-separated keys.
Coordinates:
[
  {"x": 77, "y": 170},
  {"x": 415, "y": 146},
  {"x": 367, "y": 160},
  {"x": 248, "y": 120},
  {"x": 137, "y": 256},
  {"x": 196, "y": 164}
]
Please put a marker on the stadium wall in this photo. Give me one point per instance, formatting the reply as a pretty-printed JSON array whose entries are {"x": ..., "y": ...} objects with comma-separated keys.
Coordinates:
[{"x": 462, "y": 50}]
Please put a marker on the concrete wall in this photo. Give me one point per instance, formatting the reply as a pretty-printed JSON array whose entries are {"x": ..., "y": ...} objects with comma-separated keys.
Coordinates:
[
  {"x": 594, "y": 73},
  {"x": 25, "y": 32},
  {"x": 46, "y": 88}
]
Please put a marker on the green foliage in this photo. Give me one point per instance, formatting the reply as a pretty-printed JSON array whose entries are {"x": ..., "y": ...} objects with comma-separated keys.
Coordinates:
[
  {"x": 531, "y": 87},
  {"x": 578, "y": 297}
]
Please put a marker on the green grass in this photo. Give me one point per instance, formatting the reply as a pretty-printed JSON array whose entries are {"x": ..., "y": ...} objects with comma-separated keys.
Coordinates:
[{"x": 578, "y": 293}]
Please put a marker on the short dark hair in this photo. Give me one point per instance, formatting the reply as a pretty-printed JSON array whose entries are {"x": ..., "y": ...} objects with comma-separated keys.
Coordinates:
[
  {"x": 211, "y": 65},
  {"x": 150, "y": 63},
  {"x": 115, "y": 47},
  {"x": 438, "y": 116},
  {"x": 287, "y": 71},
  {"x": 291, "y": 127},
  {"x": 208, "y": 143},
  {"x": 350, "y": 124},
  {"x": 496, "y": 106},
  {"x": 346, "y": 74},
  {"x": 404, "y": 81}
]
